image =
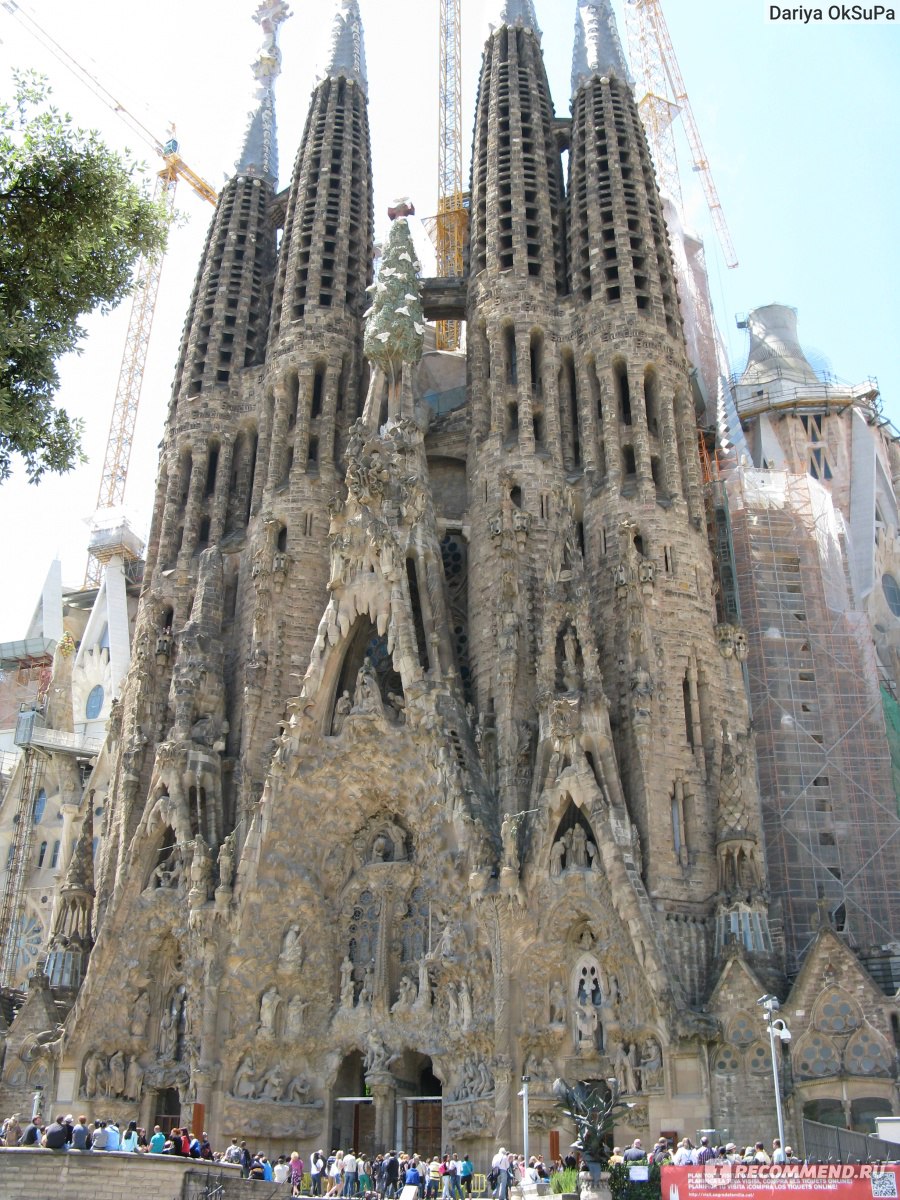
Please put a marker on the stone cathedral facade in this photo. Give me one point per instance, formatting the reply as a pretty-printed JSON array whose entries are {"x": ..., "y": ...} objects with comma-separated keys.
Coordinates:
[{"x": 433, "y": 768}]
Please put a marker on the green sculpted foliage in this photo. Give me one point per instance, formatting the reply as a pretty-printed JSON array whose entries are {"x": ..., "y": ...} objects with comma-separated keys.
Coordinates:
[
  {"x": 395, "y": 327},
  {"x": 73, "y": 224}
]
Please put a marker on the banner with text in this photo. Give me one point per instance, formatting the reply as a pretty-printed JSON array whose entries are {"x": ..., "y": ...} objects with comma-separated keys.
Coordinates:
[{"x": 796, "y": 1181}]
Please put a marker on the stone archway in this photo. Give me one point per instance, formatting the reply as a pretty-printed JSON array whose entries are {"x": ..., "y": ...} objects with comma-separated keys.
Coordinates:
[
  {"x": 419, "y": 1104},
  {"x": 353, "y": 1111}
]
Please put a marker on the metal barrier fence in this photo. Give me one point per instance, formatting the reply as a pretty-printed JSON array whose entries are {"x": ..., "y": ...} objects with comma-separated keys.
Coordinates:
[
  {"x": 210, "y": 1188},
  {"x": 828, "y": 1143}
]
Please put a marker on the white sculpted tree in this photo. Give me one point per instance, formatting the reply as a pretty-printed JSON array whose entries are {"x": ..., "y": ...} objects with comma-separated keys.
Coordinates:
[{"x": 395, "y": 327}]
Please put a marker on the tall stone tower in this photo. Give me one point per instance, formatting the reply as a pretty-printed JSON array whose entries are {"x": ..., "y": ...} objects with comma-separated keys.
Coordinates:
[{"x": 433, "y": 768}]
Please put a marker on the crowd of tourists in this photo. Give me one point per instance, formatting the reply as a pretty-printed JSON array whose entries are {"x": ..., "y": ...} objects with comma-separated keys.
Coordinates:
[
  {"x": 686, "y": 1153},
  {"x": 381, "y": 1177},
  {"x": 65, "y": 1133}
]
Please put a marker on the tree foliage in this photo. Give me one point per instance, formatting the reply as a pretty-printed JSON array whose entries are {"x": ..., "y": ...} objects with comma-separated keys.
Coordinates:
[
  {"x": 73, "y": 224},
  {"x": 395, "y": 326}
]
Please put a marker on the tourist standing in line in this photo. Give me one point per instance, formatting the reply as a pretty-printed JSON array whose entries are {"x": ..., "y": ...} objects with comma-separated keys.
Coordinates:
[{"x": 500, "y": 1164}]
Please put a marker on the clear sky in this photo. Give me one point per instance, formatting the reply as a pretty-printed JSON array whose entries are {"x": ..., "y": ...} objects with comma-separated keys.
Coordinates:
[{"x": 800, "y": 122}]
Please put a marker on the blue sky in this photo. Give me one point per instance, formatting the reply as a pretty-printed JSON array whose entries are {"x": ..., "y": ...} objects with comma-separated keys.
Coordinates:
[{"x": 800, "y": 124}]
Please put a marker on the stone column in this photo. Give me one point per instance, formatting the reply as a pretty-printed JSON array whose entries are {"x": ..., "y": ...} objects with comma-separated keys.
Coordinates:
[
  {"x": 222, "y": 493},
  {"x": 384, "y": 1097},
  {"x": 524, "y": 392},
  {"x": 192, "y": 508}
]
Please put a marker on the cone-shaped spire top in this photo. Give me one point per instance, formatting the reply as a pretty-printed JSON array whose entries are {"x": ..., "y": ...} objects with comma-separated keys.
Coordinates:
[
  {"x": 347, "y": 55},
  {"x": 260, "y": 153},
  {"x": 80, "y": 872},
  {"x": 515, "y": 12},
  {"x": 598, "y": 49}
]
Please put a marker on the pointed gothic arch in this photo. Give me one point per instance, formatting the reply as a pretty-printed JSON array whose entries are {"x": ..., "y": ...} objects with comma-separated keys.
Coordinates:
[
  {"x": 868, "y": 1053},
  {"x": 574, "y": 845},
  {"x": 166, "y": 866},
  {"x": 836, "y": 1012},
  {"x": 364, "y": 643}
]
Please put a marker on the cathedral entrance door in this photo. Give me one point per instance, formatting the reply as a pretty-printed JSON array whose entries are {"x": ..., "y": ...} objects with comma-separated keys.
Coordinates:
[
  {"x": 167, "y": 1111},
  {"x": 419, "y": 1105},
  {"x": 353, "y": 1122},
  {"x": 422, "y": 1125},
  {"x": 364, "y": 1130}
]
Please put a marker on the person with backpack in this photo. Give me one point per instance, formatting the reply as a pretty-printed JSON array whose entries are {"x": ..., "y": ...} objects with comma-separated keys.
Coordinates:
[
  {"x": 500, "y": 1165},
  {"x": 246, "y": 1160}
]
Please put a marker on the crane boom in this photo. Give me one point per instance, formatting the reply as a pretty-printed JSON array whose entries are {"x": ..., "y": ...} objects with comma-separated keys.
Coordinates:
[
  {"x": 146, "y": 286},
  {"x": 452, "y": 214},
  {"x": 654, "y": 59}
]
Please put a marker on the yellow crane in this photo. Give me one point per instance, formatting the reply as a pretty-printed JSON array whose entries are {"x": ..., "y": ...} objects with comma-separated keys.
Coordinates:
[
  {"x": 452, "y": 214},
  {"x": 131, "y": 373},
  {"x": 662, "y": 96}
]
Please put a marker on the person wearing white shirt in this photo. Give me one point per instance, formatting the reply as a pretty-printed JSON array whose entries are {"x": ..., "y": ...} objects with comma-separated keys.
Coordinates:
[
  {"x": 501, "y": 1162},
  {"x": 351, "y": 1174}
]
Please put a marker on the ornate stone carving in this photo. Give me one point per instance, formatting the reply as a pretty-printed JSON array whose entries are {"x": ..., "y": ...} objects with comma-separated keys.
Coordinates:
[
  {"x": 291, "y": 948},
  {"x": 269, "y": 1008}
]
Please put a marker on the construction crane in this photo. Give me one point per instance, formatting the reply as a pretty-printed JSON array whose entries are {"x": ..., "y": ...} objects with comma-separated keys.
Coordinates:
[
  {"x": 131, "y": 373},
  {"x": 662, "y": 97},
  {"x": 453, "y": 213}
]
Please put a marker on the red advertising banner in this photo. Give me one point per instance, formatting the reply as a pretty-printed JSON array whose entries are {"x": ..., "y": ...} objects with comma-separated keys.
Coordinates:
[{"x": 799, "y": 1181}]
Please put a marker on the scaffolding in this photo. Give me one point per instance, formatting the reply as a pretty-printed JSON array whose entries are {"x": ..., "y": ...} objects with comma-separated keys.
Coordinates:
[
  {"x": 829, "y": 812},
  {"x": 718, "y": 532},
  {"x": 11, "y": 912}
]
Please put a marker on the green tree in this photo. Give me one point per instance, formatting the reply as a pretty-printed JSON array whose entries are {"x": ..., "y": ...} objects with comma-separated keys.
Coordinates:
[{"x": 73, "y": 224}]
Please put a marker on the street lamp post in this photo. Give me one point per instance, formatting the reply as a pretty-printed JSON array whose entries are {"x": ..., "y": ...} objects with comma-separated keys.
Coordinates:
[
  {"x": 526, "y": 1079},
  {"x": 776, "y": 1027}
]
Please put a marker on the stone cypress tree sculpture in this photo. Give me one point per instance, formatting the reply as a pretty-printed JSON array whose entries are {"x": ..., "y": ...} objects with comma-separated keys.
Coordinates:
[{"x": 396, "y": 326}]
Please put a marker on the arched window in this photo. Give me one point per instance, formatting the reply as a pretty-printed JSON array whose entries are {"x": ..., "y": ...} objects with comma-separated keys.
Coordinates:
[
  {"x": 39, "y": 805},
  {"x": 94, "y": 703},
  {"x": 54, "y": 857},
  {"x": 42, "y": 854}
]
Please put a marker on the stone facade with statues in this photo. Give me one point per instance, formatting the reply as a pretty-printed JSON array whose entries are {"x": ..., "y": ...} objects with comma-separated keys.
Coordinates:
[{"x": 434, "y": 767}]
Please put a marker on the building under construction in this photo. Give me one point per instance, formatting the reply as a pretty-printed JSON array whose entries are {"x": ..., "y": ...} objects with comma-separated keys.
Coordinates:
[{"x": 814, "y": 520}]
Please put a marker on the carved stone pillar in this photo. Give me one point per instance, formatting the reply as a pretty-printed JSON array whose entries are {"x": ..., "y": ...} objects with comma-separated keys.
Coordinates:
[{"x": 384, "y": 1096}]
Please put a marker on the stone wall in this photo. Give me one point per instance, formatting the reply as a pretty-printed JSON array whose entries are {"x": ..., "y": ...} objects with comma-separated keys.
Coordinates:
[{"x": 37, "y": 1174}]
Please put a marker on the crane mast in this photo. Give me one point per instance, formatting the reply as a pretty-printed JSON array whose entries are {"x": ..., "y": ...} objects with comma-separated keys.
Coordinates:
[
  {"x": 452, "y": 214},
  {"x": 146, "y": 288},
  {"x": 664, "y": 96}
]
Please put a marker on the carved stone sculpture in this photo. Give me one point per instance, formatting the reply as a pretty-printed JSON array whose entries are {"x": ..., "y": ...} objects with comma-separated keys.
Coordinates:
[
  {"x": 557, "y": 1003},
  {"x": 268, "y": 1010},
  {"x": 292, "y": 947},
  {"x": 140, "y": 1015}
]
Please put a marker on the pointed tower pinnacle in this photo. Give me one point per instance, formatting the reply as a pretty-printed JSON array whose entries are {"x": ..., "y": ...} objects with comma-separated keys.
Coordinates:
[
  {"x": 347, "y": 56},
  {"x": 515, "y": 12},
  {"x": 598, "y": 49},
  {"x": 260, "y": 153}
]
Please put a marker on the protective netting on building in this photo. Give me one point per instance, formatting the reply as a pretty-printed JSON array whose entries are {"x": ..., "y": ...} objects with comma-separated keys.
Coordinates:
[
  {"x": 825, "y": 770},
  {"x": 892, "y": 721}
]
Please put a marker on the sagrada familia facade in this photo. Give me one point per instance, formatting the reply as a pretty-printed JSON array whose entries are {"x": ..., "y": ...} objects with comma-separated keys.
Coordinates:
[{"x": 434, "y": 765}]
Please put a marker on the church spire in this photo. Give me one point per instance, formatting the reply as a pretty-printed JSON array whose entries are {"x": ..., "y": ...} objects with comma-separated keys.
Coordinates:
[
  {"x": 347, "y": 55},
  {"x": 515, "y": 12},
  {"x": 260, "y": 153},
  {"x": 598, "y": 48}
]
